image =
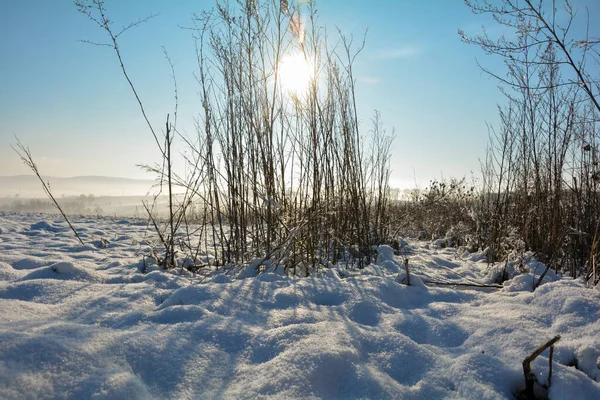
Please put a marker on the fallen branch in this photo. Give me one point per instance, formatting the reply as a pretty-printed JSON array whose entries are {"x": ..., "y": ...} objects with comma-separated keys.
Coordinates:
[
  {"x": 530, "y": 378},
  {"x": 483, "y": 285},
  {"x": 467, "y": 279}
]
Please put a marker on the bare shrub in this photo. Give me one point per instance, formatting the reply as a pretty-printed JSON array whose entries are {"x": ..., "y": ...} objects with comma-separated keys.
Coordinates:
[
  {"x": 541, "y": 173},
  {"x": 278, "y": 178},
  {"x": 441, "y": 210}
]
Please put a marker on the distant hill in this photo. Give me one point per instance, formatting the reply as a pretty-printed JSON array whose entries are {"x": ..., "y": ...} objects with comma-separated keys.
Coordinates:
[{"x": 28, "y": 186}]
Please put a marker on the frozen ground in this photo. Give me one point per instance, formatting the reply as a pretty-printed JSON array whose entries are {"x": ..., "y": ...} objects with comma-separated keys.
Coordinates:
[{"x": 83, "y": 322}]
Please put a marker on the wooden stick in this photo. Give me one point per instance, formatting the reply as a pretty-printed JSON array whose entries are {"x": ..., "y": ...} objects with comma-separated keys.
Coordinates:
[{"x": 529, "y": 376}]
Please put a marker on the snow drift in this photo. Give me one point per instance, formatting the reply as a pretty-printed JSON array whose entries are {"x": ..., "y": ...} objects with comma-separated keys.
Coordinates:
[{"x": 84, "y": 322}]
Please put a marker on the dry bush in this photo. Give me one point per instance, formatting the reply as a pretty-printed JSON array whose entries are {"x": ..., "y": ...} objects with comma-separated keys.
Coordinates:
[
  {"x": 277, "y": 179},
  {"x": 541, "y": 175},
  {"x": 441, "y": 210}
]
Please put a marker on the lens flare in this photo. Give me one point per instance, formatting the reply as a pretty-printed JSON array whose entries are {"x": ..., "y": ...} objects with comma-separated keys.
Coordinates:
[{"x": 295, "y": 73}]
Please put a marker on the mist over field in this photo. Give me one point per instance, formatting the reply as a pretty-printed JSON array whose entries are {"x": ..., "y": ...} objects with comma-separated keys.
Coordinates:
[
  {"x": 83, "y": 195},
  {"x": 29, "y": 187}
]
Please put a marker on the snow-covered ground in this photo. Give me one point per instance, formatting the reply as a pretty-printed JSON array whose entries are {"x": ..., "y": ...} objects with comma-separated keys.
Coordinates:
[{"x": 83, "y": 322}]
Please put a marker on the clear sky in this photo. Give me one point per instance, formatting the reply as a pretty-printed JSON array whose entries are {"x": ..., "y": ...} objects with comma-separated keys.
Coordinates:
[{"x": 69, "y": 102}]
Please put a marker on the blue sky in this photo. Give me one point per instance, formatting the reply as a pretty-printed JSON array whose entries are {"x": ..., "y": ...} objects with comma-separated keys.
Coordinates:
[{"x": 70, "y": 104}]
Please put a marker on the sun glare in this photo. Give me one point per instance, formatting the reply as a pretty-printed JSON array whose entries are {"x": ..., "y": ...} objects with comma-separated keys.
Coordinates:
[{"x": 295, "y": 74}]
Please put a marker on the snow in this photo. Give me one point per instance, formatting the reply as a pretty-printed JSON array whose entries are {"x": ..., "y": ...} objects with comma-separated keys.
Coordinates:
[{"x": 85, "y": 322}]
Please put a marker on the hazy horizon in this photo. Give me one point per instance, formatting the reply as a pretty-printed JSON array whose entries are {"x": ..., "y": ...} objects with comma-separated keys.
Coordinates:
[{"x": 29, "y": 186}]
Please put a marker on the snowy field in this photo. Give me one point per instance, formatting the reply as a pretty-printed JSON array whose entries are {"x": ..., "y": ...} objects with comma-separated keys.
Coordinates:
[{"x": 83, "y": 322}]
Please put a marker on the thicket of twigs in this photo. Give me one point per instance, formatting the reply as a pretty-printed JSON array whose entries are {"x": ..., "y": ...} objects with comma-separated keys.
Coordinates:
[
  {"x": 277, "y": 179},
  {"x": 541, "y": 174},
  {"x": 441, "y": 210},
  {"x": 540, "y": 177}
]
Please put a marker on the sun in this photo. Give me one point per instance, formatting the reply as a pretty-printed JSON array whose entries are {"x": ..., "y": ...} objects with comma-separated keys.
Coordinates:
[{"x": 295, "y": 73}]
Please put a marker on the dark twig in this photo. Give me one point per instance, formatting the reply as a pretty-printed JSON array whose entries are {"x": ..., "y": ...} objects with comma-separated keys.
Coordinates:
[
  {"x": 26, "y": 157},
  {"x": 407, "y": 271},
  {"x": 482, "y": 285}
]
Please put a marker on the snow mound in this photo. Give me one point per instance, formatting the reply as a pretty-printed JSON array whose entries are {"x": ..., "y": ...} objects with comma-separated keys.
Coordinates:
[
  {"x": 520, "y": 283},
  {"x": 570, "y": 383},
  {"x": 588, "y": 361},
  {"x": 526, "y": 282},
  {"x": 30, "y": 262},
  {"x": 483, "y": 376},
  {"x": 478, "y": 256},
  {"x": 390, "y": 266},
  {"x": 415, "y": 281},
  {"x": 385, "y": 253},
  {"x": 44, "y": 226},
  {"x": 79, "y": 271},
  {"x": 404, "y": 244},
  {"x": 64, "y": 268},
  {"x": 8, "y": 273}
]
